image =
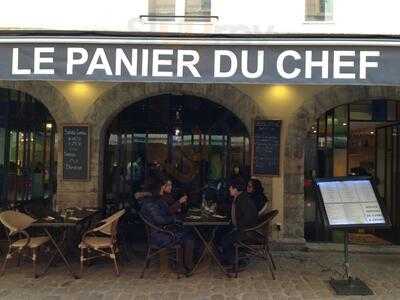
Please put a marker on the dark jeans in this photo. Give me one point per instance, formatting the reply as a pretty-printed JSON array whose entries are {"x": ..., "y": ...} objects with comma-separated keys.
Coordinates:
[
  {"x": 184, "y": 237},
  {"x": 225, "y": 238}
]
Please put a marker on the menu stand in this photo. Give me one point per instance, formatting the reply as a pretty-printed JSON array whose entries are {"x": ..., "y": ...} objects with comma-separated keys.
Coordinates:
[
  {"x": 348, "y": 203},
  {"x": 349, "y": 285}
]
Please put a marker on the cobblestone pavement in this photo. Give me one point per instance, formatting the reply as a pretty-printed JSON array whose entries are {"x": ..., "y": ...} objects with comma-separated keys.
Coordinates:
[{"x": 300, "y": 275}]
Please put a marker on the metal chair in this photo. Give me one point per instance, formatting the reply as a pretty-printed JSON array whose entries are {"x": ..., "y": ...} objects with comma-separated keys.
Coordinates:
[
  {"x": 101, "y": 238},
  {"x": 255, "y": 243},
  {"x": 154, "y": 250},
  {"x": 16, "y": 224}
]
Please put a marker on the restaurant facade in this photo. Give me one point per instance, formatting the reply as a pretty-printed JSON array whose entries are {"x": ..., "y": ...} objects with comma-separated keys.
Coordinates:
[{"x": 190, "y": 105}]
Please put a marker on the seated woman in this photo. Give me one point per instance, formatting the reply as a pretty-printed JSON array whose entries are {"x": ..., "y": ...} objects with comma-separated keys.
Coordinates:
[
  {"x": 256, "y": 194},
  {"x": 175, "y": 206},
  {"x": 157, "y": 212}
]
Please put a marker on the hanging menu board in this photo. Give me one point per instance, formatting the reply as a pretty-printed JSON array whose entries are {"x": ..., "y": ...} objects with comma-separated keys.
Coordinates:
[
  {"x": 266, "y": 147},
  {"x": 75, "y": 152},
  {"x": 350, "y": 202}
]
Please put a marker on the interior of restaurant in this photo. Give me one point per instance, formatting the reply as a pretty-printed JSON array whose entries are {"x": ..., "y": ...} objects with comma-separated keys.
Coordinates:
[
  {"x": 193, "y": 141},
  {"x": 355, "y": 139},
  {"x": 28, "y": 142}
]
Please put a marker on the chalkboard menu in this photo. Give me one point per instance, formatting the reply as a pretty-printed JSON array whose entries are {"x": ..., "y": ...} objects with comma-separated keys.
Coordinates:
[
  {"x": 75, "y": 152},
  {"x": 266, "y": 147}
]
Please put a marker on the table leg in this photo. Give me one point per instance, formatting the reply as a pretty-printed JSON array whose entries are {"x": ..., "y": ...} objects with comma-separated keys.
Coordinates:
[
  {"x": 208, "y": 248},
  {"x": 60, "y": 253}
]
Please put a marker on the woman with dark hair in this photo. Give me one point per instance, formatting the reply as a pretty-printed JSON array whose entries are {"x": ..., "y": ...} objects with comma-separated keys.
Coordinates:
[
  {"x": 256, "y": 194},
  {"x": 175, "y": 206}
]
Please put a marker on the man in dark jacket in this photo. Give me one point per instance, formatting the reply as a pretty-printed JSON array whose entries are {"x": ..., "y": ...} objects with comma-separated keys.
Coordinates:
[{"x": 243, "y": 215}]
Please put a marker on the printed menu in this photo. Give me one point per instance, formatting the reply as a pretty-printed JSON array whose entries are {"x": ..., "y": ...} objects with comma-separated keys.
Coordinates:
[{"x": 351, "y": 202}]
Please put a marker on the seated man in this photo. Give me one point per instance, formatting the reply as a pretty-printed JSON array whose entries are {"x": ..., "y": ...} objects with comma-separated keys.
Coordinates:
[
  {"x": 157, "y": 212},
  {"x": 243, "y": 215}
]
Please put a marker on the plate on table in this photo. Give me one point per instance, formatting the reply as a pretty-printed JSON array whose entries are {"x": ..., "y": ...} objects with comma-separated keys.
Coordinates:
[
  {"x": 219, "y": 216},
  {"x": 193, "y": 217}
]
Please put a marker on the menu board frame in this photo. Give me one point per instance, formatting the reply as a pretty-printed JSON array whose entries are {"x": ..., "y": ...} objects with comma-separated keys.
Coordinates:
[
  {"x": 253, "y": 145},
  {"x": 324, "y": 214},
  {"x": 76, "y": 125}
]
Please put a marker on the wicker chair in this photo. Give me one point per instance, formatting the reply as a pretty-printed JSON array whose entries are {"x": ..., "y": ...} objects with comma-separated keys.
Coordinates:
[
  {"x": 255, "y": 243},
  {"x": 154, "y": 250},
  {"x": 16, "y": 224},
  {"x": 101, "y": 238}
]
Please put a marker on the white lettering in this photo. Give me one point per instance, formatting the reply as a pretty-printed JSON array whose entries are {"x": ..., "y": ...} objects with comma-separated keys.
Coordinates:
[
  {"x": 99, "y": 62},
  {"x": 145, "y": 62},
  {"x": 157, "y": 62},
  {"x": 260, "y": 64},
  {"x": 130, "y": 65},
  {"x": 338, "y": 64},
  {"x": 190, "y": 64},
  {"x": 38, "y": 60},
  {"x": 71, "y": 61},
  {"x": 364, "y": 64},
  {"x": 323, "y": 64},
  {"x": 217, "y": 63},
  {"x": 15, "y": 64},
  {"x": 279, "y": 64}
]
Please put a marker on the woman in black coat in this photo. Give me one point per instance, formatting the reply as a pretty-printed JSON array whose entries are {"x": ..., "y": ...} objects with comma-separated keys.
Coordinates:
[{"x": 256, "y": 194}]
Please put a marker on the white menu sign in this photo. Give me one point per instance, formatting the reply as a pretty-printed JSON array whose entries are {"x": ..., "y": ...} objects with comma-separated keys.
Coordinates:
[{"x": 351, "y": 202}]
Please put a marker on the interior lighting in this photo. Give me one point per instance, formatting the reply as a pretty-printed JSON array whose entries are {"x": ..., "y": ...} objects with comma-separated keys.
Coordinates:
[
  {"x": 344, "y": 124},
  {"x": 49, "y": 125},
  {"x": 372, "y": 132}
]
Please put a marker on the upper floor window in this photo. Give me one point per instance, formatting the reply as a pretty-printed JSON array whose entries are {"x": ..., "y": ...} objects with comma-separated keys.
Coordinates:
[
  {"x": 319, "y": 10},
  {"x": 179, "y": 10},
  {"x": 195, "y": 8},
  {"x": 161, "y": 9}
]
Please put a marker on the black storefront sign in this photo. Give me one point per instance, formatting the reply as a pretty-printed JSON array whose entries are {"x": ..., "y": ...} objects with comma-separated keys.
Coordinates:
[
  {"x": 75, "y": 151},
  {"x": 266, "y": 146},
  {"x": 271, "y": 64}
]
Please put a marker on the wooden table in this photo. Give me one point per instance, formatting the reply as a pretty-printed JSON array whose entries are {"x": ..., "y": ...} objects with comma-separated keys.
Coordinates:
[
  {"x": 73, "y": 219},
  {"x": 206, "y": 221}
]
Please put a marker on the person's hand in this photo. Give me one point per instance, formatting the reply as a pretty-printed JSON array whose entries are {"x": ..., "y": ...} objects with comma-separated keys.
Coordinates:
[{"x": 183, "y": 199}]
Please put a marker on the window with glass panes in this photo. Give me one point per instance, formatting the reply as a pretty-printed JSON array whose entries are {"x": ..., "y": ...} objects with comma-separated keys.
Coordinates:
[
  {"x": 318, "y": 10},
  {"x": 192, "y": 140},
  {"x": 28, "y": 143}
]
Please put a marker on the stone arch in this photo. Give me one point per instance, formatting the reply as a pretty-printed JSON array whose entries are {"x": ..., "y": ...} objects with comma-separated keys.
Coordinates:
[
  {"x": 115, "y": 100},
  {"x": 51, "y": 98},
  {"x": 294, "y": 149}
]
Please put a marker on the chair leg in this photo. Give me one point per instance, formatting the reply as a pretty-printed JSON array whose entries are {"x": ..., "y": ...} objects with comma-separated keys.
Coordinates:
[
  {"x": 114, "y": 257},
  {"x": 270, "y": 256},
  {"x": 236, "y": 261},
  {"x": 82, "y": 259},
  {"x": 179, "y": 261},
  {"x": 34, "y": 262},
  {"x": 19, "y": 258},
  {"x": 8, "y": 256},
  {"x": 146, "y": 263}
]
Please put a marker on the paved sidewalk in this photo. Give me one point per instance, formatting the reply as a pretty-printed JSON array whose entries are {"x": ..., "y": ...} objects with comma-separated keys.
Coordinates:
[{"x": 300, "y": 275}]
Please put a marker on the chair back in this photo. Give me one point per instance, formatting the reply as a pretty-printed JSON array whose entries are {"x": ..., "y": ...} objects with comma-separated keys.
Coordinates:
[
  {"x": 15, "y": 221},
  {"x": 264, "y": 219},
  {"x": 109, "y": 225},
  {"x": 150, "y": 226}
]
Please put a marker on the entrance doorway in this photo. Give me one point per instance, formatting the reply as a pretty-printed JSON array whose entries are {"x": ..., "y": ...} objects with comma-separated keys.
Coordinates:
[
  {"x": 347, "y": 140},
  {"x": 28, "y": 143},
  {"x": 192, "y": 140}
]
